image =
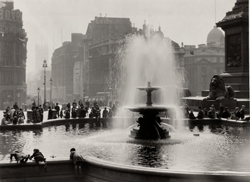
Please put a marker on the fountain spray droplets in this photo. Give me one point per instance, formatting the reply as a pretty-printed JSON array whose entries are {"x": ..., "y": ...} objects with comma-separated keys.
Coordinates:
[{"x": 142, "y": 60}]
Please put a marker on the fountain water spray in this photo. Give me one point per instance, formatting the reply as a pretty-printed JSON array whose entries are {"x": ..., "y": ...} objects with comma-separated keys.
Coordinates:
[{"x": 141, "y": 60}]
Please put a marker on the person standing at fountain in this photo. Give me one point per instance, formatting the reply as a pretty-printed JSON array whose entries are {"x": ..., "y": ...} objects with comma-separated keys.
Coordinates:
[
  {"x": 73, "y": 112},
  {"x": 221, "y": 110},
  {"x": 78, "y": 162},
  {"x": 50, "y": 113},
  {"x": 40, "y": 109},
  {"x": 21, "y": 116},
  {"x": 105, "y": 113},
  {"x": 200, "y": 114},
  {"x": 242, "y": 112},
  {"x": 15, "y": 106},
  {"x": 191, "y": 115},
  {"x": 226, "y": 114},
  {"x": 57, "y": 108},
  {"x": 15, "y": 116},
  {"x": 67, "y": 113},
  {"x": 211, "y": 113}
]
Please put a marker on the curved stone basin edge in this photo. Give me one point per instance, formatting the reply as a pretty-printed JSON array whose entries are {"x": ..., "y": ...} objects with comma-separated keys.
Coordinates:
[
  {"x": 125, "y": 121},
  {"x": 95, "y": 169}
]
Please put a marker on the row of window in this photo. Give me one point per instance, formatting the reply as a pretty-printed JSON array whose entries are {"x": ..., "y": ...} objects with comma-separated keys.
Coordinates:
[
  {"x": 12, "y": 78},
  {"x": 9, "y": 61},
  {"x": 11, "y": 47}
]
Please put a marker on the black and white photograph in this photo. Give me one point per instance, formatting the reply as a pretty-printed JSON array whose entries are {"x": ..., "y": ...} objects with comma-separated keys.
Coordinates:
[{"x": 124, "y": 91}]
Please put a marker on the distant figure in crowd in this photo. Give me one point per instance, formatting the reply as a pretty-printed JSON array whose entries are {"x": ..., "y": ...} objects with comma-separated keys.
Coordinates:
[
  {"x": 61, "y": 113},
  {"x": 15, "y": 116},
  {"x": 211, "y": 113},
  {"x": 67, "y": 113},
  {"x": 80, "y": 103},
  {"x": 200, "y": 114},
  {"x": 191, "y": 114},
  {"x": 68, "y": 105},
  {"x": 205, "y": 112},
  {"x": 21, "y": 158},
  {"x": 4, "y": 120},
  {"x": 74, "y": 104},
  {"x": 237, "y": 113},
  {"x": 15, "y": 106},
  {"x": 57, "y": 108},
  {"x": 221, "y": 110},
  {"x": 40, "y": 109},
  {"x": 21, "y": 116},
  {"x": 105, "y": 113},
  {"x": 78, "y": 162},
  {"x": 50, "y": 113},
  {"x": 242, "y": 112},
  {"x": 73, "y": 112},
  {"x": 82, "y": 113},
  {"x": 226, "y": 114},
  {"x": 39, "y": 157}
]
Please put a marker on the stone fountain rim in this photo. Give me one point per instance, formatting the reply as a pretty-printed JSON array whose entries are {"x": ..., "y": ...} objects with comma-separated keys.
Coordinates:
[{"x": 159, "y": 171}]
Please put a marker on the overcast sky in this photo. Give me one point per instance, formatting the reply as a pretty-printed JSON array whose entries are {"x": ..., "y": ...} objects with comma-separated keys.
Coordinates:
[{"x": 187, "y": 21}]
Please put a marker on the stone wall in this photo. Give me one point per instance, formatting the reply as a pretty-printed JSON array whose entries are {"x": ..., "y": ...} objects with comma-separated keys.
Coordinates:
[{"x": 103, "y": 171}]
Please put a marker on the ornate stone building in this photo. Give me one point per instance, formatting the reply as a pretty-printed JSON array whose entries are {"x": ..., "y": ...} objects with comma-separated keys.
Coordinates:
[
  {"x": 13, "y": 54},
  {"x": 205, "y": 61}
]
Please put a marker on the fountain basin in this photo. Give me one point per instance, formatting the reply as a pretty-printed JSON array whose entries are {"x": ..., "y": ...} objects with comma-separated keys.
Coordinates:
[
  {"x": 145, "y": 109},
  {"x": 96, "y": 169}
]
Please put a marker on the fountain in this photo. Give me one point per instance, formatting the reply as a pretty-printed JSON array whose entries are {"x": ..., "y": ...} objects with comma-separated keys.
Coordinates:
[{"x": 149, "y": 124}]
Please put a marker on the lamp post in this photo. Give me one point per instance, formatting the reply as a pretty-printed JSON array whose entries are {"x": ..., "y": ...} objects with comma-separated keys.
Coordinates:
[
  {"x": 38, "y": 89},
  {"x": 50, "y": 91},
  {"x": 44, "y": 66}
]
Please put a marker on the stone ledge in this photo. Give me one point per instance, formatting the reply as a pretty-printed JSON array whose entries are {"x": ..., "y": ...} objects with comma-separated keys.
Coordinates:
[{"x": 96, "y": 169}]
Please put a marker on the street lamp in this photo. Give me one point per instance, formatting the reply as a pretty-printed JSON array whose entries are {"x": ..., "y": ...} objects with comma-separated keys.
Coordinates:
[
  {"x": 44, "y": 66},
  {"x": 50, "y": 90},
  {"x": 38, "y": 89}
]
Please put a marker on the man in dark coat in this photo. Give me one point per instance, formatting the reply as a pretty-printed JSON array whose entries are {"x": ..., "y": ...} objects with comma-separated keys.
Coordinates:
[{"x": 50, "y": 113}]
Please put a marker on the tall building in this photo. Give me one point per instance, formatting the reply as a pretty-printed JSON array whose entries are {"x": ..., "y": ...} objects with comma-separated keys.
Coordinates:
[
  {"x": 205, "y": 61},
  {"x": 63, "y": 66},
  {"x": 13, "y": 54},
  {"x": 104, "y": 33}
]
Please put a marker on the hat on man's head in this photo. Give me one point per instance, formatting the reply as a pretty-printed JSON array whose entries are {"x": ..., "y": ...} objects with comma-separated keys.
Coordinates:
[{"x": 73, "y": 149}]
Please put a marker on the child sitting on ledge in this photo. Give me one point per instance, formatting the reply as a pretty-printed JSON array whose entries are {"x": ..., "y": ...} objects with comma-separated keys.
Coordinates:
[
  {"x": 19, "y": 157},
  {"x": 38, "y": 156}
]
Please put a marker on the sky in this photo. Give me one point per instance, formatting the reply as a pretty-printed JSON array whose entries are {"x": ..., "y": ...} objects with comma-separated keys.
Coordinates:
[{"x": 51, "y": 22}]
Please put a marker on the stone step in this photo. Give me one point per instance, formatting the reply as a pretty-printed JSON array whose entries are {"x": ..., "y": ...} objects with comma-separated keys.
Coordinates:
[
  {"x": 237, "y": 93},
  {"x": 239, "y": 86}
]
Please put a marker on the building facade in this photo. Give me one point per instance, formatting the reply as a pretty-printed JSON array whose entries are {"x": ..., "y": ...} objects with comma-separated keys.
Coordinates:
[
  {"x": 104, "y": 33},
  {"x": 13, "y": 55},
  {"x": 202, "y": 63},
  {"x": 63, "y": 67}
]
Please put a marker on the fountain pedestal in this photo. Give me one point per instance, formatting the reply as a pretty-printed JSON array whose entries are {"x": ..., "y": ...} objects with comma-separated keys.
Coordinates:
[{"x": 149, "y": 124}]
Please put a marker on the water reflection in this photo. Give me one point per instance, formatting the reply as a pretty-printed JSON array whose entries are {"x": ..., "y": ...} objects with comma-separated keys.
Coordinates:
[
  {"x": 218, "y": 147},
  {"x": 148, "y": 156}
]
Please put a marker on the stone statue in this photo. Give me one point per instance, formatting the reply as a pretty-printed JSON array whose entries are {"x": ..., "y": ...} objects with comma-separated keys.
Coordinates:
[{"x": 218, "y": 90}]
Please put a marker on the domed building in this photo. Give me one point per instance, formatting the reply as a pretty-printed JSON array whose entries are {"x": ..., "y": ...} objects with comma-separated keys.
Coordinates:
[
  {"x": 215, "y": 37},
  {"x": 204, "y": 61}
]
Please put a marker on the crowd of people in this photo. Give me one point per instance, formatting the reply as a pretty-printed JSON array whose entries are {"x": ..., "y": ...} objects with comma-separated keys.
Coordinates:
[
  {"x": 78, "y": 110},
  {"x": 13, "y": 115},
  {"x": 222, "y": 112}
]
